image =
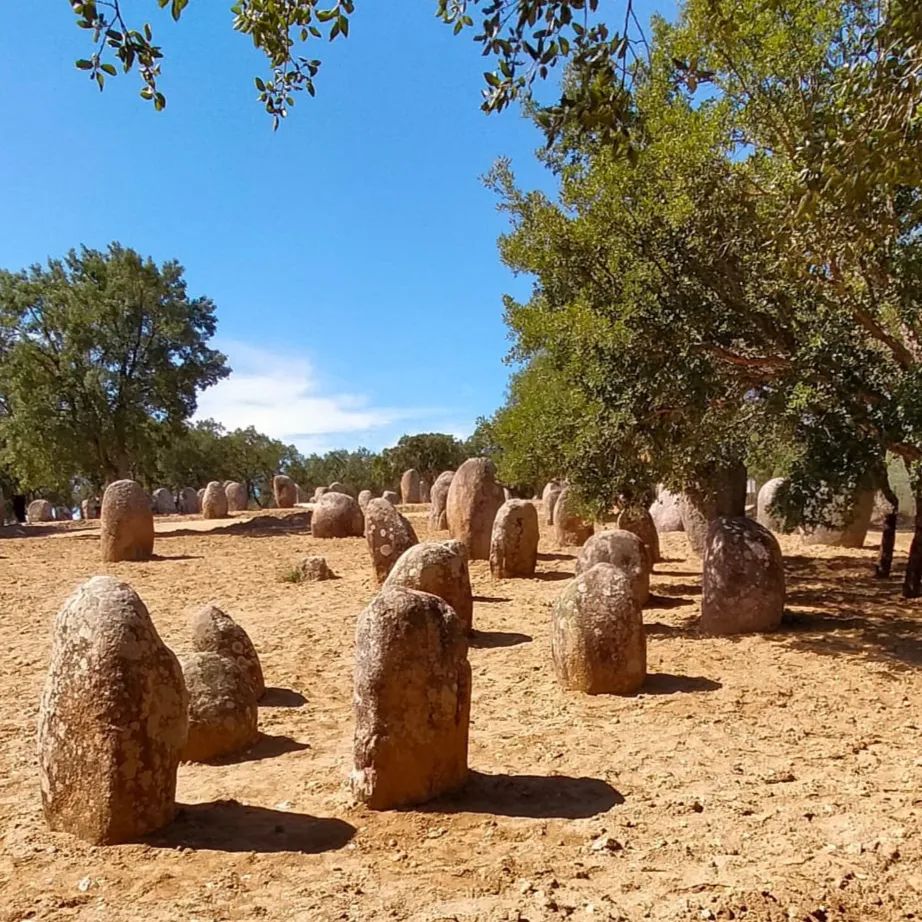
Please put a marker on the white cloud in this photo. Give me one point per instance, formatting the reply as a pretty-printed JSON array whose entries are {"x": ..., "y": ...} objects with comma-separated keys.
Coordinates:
[{"x": 279, "y": 395}]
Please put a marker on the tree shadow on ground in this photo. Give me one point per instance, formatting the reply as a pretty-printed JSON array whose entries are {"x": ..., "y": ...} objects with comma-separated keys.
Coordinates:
[
  {"x": 657, "y": 572},
  {"x": 266, "y": 747},
  {"x": 229, "y": 826},
  {"x": 556, "y": 556},
  {"x": 529, "y": 796},
  {"x": 849, "y": 613},
  {"x": 667, "y": 601},
  {"x": 675, "y": 589},
  {"x": 282, "y": 698},
  {"x": 492, "y": 599},
  {"x": 550, "y": 576},
  {"x": 665, "y": 683},
  {"x": 261, "y": 526},
  {"x": 74, "y": 529},
  {"x": 688, "y": 627},
  {"x": 486, "y": 640}
]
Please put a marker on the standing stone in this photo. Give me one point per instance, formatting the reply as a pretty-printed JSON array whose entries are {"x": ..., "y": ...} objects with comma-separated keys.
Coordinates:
[
  {"x": 284, "y": 491},
  {"x": 597, "y": 636},
  {"x": 764, "y": 512},
  {"x": 438, "y": 498},
  {"x": 222, "y": 712},
  {"x": 238, "y": 497},
  {"x": 850, "y": 525},
  {"x": 200, "y": 493},
  {"x": 412, "y": 700},
  {"x": 425, "y": 490},
  {"x": 666, "y": 512},
  {"x": 162, "y": 502},
  {"x": 514, "y": 542},
  {"x": 549, "y": 499},
  {"x": 743, "y": 578},
  {"x": 388, "y": 535},
  {"x": 112, "y": 721},
  {"x": 723, "y": 495},
  {"x": 214, "y": 631},
  {"x": 189, "y": 501},
  {"x": 299, "y": 495},
  {"x": 318, "y": 492},
  {"x": 439, "y": 569},
  {"x": 409, "y": 487},
  {"x": 626, "y": 553},
  {"x": 570, "y": 529},
  {"x": 127, "y": 527},
  {"x": 337, "y": 515},
  {"x": 474, "y": 498},
  {"x": 90, "y": 508},
  {"x": 40, "y": 510},
  {"x": 391, "y": 497},
  {"x": 314, "y": 569},
  {"x": 214, "y": 501},
  {"x": 637, "y": 520},
  {"x": 337, "y": 487},
  {"x": 364, "y": 497}
]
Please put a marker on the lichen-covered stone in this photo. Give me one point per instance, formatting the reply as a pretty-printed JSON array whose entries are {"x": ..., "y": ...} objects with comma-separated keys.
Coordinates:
[
  {"x": 315, "y": 569},
  {"x": 438, "y": 498},
  {"x": 388, "y": 535},
  {"x": 570, "y": 528},
  {"x": 127, "y": 527},
  {"x": 409, "y": 487},
  {"x": 189, "y": 503},
  {"x": 474, "y": 498},
  {"x": 626, "y": 553},
  {"x": 337, "y": 487},
  {"x": 514, "y": 542},
  {"x": 391, "y": 497},
  {"x": 214, "y": 501},
  {"x": 365, "y": 496},
  {"x": 40, "y": 510},
  {"x": 439, "y": 569},
  {"x": 549, "y": 497},
  {"x": 162, "y": 502},
  {"x": 284, "y": 491},
  {"x": 723, "y": 495},
  {"x": 412, "y": 699},
  {"x": 112, "y": 721},
  {"x": 337, "y": 515},
  {"x": 598, "y": 643},
  {"x": 637, "y": 520},
  {"x": 850, "y": 526},
  {"x": 666, "y": 512},
  {"x": 238, "y": 497},
  {"x": 223, "y": 714},
  {"x": 743, "y": 578},
  {"x": 214, "y": 631}
]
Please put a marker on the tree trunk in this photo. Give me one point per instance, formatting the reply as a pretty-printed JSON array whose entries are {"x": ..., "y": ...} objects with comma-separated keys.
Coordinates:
[
  {"x": 912, "y": 582},
  {"x": 888, "y": 535}
]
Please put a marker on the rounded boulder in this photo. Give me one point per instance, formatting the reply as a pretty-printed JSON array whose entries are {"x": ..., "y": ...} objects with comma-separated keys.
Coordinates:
[
  {"x": 337, "y": 515},
  {"x": 626, "y": 553}
]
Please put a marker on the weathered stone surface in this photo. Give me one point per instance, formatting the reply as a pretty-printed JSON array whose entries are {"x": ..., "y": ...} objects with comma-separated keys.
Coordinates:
[
  {"x": 425, "y": 490},
  {"x": 337, "y": 487},
  {"x": 411, "y": 702},
  {"x": 90, "y": 508},
  {"x": 223, "y": 713},
  {"x": 439, "y": 569},
  {"x": 112, "y": 721},
  {"x": 200, "y": 493},
  {"x": 666, "y": 512},
  {"x": 315, "y": 569},
  {"x": 388, "y": 535},
  {"x": 318, "y": 492},
  {"x": 850, "y": 527},
  {"x": 743, "y": 578},
  {"x": 625, "y": 552},
  {"x": 597, "y": 635},
  {"x": 723, "y": 495},
  {"x": 337, "y": 515},
  {"x": 162, "y": 502},
  {"x": 474, "y": 498},
  {"x": 514, "y": 541},
  {"x": 364, "y": 497},
  {"x": 391, "y": 497},
  {"x": 238, "y": 498},
  {"x": 214, "y": 631},
  {"x": 549, "y": 497},
  {"x": 443, "y": 521},
  {"x": 409, "y": 487},
  {"x": 640, "y": 522},
  {"x": 438, "y": 498},
  {"x": 214, "y": 501},
  {"x": 127, "y": 528},
  {"x": 570, "y": 529},
  {"x": 284, "y": 491},
  {"x": 189, "y": 503},
  {"x": 299, "y": 495},
  {"x": 40, "y": 510},
  {"x": 764, "y": 513}
]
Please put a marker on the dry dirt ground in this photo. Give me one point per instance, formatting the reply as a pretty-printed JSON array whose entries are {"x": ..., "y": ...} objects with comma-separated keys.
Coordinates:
[{"x": 765, "y": 778}]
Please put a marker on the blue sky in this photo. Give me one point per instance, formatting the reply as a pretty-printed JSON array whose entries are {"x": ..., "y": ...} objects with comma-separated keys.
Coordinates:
[{"x": 352, "y": 254}]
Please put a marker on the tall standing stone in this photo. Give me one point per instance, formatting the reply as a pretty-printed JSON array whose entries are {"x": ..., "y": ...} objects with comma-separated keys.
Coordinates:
[
  {"x": 438, "y": 498},
  {"x": 112, "y": 722},
  {"x": 238, "y": 497},
  {"x": 639, "y": 521},
  {"x": 412, "y": 700},
  {"x": 409, "y": 487},
  {"x": 214, "y": 501},
  {"x": 626, "y": 553},
  {"x": 743, "y": 578},
  {"x": 388, "y": 535},
  {"x": 598, "y": 643},
  {"x": 163, "y": 502},
  {"x": 666, "y": 512},
  {"x": 189, "y": 501},
  {"x": 570, "y": 528},
  {"x": 127, "y": 527},
  {"x": 284, "y": 491},
  {"x": 474, "y": 498},
  {"x": 549, "y": 497},
  {"x": 514, "y": 542}
]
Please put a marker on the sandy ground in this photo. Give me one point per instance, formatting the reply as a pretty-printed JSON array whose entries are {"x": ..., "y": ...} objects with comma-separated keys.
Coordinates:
[{"x": 765, "y": 778}]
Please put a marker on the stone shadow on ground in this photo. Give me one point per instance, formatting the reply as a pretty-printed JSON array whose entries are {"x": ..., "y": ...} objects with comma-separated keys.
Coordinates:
[
  {"x": 529, "y": 796},
  {"x": 665, "y": 683},
  {"x": 556, "y": 556},
  {"x": 487, "y": 640},
  {"x": 282, "y": 698},
  {"x": 493, "y": 599},
  {"x": 666, "y": 601},
  {"x": 266, "y": 747},
  {"x": 549, "y": 576},
  {"x": 229, "y": 826}
]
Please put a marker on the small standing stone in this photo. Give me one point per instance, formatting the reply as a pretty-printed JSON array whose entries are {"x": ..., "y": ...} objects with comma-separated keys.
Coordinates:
[
  {"x": 514, "y": 542},
  {"x": 765, "y": 514},
  {"x": 214, "y": 631},
  {"x": 639, "y": 521},
  {"x": 214, "y": 501},
  {"x": 438, "y": 497},
  {"x": 388, "y": 535},
  {"x": 40, "y": 510},
  {"x": 666, "y": 512},
  {"x": 189, "y": 501},
  {"x": 238, "y": 497},
  {"x": 626, "y": 553},
  {"x": 284, "y": 491},
  {"x": 337, "y": 515},
  {"x": 409, "y": 487},
  {"x": 162, "y": 502},
  {"x": 127, "y": 527},
  {"x": 570, "y": 529},
  {"x": 315, "y": 570},
  {"x": 392, "y": 497},
  {"x": 365, "y": 496},
  {"x": 549, "y": 497}
]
